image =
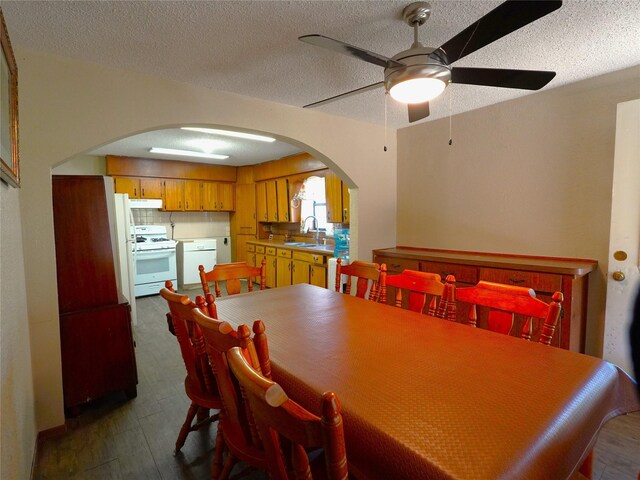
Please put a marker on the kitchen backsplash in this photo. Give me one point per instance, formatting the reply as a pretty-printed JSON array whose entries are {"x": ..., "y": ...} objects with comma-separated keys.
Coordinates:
[{"x": 186, "y": 224}]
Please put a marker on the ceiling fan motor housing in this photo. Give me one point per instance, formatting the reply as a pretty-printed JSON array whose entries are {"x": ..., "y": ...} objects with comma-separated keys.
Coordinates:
[{"x": 418, "y": 64}]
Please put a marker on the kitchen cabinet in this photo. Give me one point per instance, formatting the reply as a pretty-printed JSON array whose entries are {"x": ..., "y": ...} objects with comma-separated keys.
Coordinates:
[
  {"x": 192, "y": 195},
  {"x": 139, "y": 187},
  {"x": 284, "y": 269},
  {"x": 543, "y": 274},
  {"x": 241, "y": 247},
  {"x": 272, "y": 266},
  {"x": 284, "y": 210},
  {"x": 174, "y": 194},
  {"x": 245, "y": 216},
  {"x": 96, "y": 340},
  {"x": 337, "y": 198},
  {"x": 272, "y": 201},
  {"x": 261, "y": 202},
  {"x": 309, "y": 268}
]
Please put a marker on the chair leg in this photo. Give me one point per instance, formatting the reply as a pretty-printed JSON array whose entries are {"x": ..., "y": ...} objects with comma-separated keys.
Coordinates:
[
  {"x": 216, "y": 466},
  {"x": 229, "y": 463},
  {"x": 186, "y": 426}
]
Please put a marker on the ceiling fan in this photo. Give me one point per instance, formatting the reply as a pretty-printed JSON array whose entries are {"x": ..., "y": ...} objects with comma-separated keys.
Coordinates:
[{"x": 419, "y": 74}]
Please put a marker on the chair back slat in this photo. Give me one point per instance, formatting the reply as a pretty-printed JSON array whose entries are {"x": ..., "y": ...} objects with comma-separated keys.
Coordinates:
[
  {"x": 232, "y": 274},
  {"x": 279, "y": 417},
  {"x": 503, "y": 301}
]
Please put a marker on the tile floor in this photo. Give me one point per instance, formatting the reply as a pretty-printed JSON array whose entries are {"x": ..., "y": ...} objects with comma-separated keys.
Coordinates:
[{"x": 119, "y": 439}]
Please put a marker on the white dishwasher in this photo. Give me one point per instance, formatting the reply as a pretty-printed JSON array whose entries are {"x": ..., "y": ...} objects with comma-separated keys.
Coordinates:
[{"x": 191, "y": 253}]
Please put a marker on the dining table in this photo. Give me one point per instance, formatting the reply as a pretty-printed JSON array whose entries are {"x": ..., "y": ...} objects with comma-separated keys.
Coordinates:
[{"x": 427, "y": 398}]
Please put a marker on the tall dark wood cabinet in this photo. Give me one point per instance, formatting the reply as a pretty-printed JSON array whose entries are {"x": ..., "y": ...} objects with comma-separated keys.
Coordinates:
[{"x": 96, "y": 339}]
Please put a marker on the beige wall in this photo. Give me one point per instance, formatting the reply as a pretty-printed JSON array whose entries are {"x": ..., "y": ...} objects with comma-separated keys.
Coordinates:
[
  {"x": 82, "y": 165},
  {"x": 528, "y": 176},
  {"x": 17, "y": 415},
  {"x": 69, "y": 107}
]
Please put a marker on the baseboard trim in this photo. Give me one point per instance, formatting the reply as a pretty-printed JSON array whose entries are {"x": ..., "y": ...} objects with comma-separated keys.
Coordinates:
[{"x": 45, "y": 435}]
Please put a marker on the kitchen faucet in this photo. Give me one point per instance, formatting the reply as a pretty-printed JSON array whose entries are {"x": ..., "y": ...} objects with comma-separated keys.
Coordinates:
[{"x": 304, "y": 222}]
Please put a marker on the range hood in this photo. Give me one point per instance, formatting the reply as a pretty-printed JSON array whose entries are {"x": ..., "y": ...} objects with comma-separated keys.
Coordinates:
[{"x": 145, "y": 203}]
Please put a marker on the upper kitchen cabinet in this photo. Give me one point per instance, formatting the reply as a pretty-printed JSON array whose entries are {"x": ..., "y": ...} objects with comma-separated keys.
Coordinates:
[
  {"x": 261, "y": 202},
  {"x": 337, "y": 198},
  {"x": 217, "y": 197},
  {"x": 139, "y": 187},
  {"x": 193, "y": 196},
  {"x": 174, "y": 194}
]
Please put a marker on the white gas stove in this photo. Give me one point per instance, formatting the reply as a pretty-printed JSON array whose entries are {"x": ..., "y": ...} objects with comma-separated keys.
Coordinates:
[{"x": 155, "y": 259}]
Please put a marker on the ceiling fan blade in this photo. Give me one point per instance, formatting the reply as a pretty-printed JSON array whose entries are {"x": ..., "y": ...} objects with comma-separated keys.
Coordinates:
[
  {"x": 502, "y": 20},
  {"x": 418, "y": 111},
  {"x": 349, "y": 50},
  {"x": 498, "y": 77},
  {"x": 373, "y": 86}
]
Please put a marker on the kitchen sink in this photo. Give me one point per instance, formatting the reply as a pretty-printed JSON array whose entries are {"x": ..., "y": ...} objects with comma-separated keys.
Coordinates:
[
  {"x": 294, "y": 244},
  {"x": 311, "y": 245}
]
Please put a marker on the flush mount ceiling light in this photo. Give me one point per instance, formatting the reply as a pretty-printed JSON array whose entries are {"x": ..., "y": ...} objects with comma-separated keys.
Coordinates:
[
  {"x": 188, "y": 153},
  {"x": 421, "y": 73},
  {"x": 230, "y": 133}
]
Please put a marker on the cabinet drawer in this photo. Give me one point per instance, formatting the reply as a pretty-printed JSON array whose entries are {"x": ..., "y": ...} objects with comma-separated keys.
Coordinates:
[
  {"x": 463, "y": 273},
  {"x": 540, "y": 282},
  {"x": 260, "y": 248},
  {"x": 251, "y": 247},
  {"x": 397, "y": 265},
  {"x": 314, "y": 258},
  {"x": 284, "y": 253},
  {"x": 271, "y": 250}
]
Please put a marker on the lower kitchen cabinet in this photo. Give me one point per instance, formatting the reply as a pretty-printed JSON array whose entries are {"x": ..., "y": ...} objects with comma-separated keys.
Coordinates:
[
  {"x": 272, "y": 266},
  {"x": 544, "y": 275},
  {"x": 284, "y": 271}
]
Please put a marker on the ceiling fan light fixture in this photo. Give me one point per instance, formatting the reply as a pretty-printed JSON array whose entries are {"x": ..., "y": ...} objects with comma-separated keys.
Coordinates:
[{"x": 417, "y": 90}]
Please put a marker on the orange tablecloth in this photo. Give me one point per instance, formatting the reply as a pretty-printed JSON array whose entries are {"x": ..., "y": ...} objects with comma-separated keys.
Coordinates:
[{"x": 428, "y": 398}]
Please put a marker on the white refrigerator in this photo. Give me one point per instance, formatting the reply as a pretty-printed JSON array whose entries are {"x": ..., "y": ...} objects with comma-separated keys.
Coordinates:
[{"x": 124, "y": 242}]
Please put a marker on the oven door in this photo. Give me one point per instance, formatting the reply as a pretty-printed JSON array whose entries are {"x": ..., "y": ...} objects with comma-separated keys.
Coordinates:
[{"x": 154, "y": 266}]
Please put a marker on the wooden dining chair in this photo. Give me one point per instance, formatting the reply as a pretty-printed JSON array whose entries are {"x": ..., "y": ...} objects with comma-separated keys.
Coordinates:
[
  {"x": 199, "y": 384},
  {"x": 232, "y": 274},
  {"x": 237, "y": 435},
  {"x": 416, "y": 286},
  {"x": 281, "y": 422},
  {"x": 504, "y": 301},
  {"x": 370, "y": 277}
]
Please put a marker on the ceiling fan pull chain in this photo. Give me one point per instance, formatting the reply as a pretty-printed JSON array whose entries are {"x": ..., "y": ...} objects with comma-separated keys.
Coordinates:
[
  {"x": 450, "y": 134},
  {"x": 385, "y": 120}
]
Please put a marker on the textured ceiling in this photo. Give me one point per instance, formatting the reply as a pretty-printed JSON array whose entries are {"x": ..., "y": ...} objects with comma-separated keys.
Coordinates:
[{"x": 251, "y": 47}]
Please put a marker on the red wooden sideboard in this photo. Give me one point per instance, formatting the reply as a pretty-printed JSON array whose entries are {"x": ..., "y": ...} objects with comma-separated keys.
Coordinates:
[{"x": 545, "y": 275}]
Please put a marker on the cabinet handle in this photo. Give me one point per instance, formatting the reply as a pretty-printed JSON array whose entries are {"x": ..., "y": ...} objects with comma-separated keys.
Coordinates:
[
  {"x": 254, "y": 215},
  {"x": 187, "y": 205},
  {"x": 135, "y": 192},
  {"x": 142, "y": 192},
  {"x": 516, "y": 280},
  {"x": 179, "y": 204}
]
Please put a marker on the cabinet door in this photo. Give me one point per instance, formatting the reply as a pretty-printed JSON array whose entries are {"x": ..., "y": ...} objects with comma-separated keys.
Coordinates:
[
  {"x": 346, "y": 200},
  {"x": 272, "y": 201},
  {"x": 173, "y": 194},
  {"x": 318, "y": 276},
  {"x": 272, "y": 270},
  {"x": 150, "y": 188},
  {"x": 300, "y": 272},
  {"x": 209, "y": 196},
  {"x": 283, "y": 274},
  {"x": 192, "y": 195},
  {"x": 333, "y": 195},
  {"x": 246, "y": 208},
  {"x": 261, "y": 202},
  {"x": 282, "y": 187},
  {"x": 128, "y": 185},
  {"x": 226, "y": 197},
  {"x": 241, "y": 247}
]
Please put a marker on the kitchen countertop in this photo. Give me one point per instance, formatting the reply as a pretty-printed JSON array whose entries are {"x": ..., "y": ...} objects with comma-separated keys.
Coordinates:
[{"x": 320, "y": 249}]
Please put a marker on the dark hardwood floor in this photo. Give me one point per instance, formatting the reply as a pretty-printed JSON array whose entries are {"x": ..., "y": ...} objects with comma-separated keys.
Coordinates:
[{"x": 116, "y": 438}]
